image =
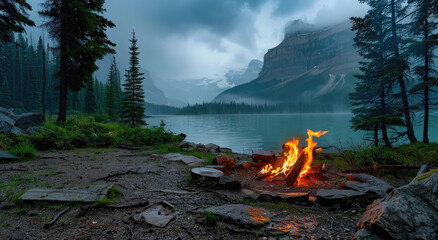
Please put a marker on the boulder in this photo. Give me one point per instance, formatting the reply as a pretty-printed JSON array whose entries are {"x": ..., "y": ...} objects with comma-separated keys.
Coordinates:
[
  {"x": 409, "y": 212},
  {"x": 371, "y": 186},
  {"x": 15, "y": 130},
  {"x": 184, "y": 144},
  {"x": 6, "y": 124},
  {"x": 27, "y": 120},
  {"x": 226, "y": 150},
  {"x": 229, "y": 183},
  {"x": 212, "y": 146},
  {"x": 8, "y": 113},
  {"x": 201, "y": 148},
  {"x": 33, "y": 130}
]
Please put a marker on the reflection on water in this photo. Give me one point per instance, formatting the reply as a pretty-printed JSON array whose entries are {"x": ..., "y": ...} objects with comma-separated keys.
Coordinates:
[{"x": 247, "y": 132}]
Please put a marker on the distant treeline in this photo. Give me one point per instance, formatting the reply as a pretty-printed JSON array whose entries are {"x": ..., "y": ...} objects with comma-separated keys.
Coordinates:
[{"x": 241, "y": 108}]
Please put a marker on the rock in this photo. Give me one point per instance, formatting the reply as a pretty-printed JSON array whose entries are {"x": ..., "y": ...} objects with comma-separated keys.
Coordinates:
[
  {"x": 188, "y": 160},
  {"x": 241, "y": 215},
  {"x": 363, "y": 234},
  {"x": 246, "y": 165},
  {"x": 184, "y": 144},
  {"x": 92, "y": 194},
  {"x": 329, "y": 197},
  {"x": 201, "y": 148},
  {"x": 250, "y": 194},
  {"x": 225, "y": 160},
  {"x": 8, "y": 113},
  {"x": 182, "y": 136},
  {"x": 212, "y": 146},
  {"x": 15, "y": 130},
  {"x": 229, "y": 183},
  {"x": 372, "y": 186},
  {"x": 213, "y": 152},
  {"x": 27, "y": 120},
  {"x": 186, "y": 150},
  {"x": 264, "y": 156},
  {"x": 288, "y": 197},
  {"x": 4, "y": 156},
  {"x": 409, "y": 212},
  {"x": 157, "y": 215},
  {"x": 226, "y": 150},
  {"x": 33, "y": 130},
  {"x": 6, "y": 123},
  {"x": 209, "y": 173}
]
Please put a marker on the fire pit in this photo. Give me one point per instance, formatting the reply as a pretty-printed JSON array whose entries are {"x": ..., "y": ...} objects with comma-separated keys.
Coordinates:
[{"x": 294, "y": 166}]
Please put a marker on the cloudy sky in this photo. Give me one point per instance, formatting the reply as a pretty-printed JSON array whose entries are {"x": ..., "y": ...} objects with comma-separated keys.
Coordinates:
[{"x": 192, "y": 39}]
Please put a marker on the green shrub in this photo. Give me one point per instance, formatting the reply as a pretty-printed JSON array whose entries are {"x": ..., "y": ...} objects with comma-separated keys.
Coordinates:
[{"x": 24, "y": 150}]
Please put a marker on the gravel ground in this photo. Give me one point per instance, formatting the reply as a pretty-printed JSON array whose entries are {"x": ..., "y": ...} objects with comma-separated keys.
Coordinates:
[{"x": 79, "y": 169}]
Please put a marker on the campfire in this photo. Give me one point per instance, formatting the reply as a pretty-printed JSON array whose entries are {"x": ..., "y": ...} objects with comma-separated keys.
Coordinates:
[{"x": 295, "y": 163}]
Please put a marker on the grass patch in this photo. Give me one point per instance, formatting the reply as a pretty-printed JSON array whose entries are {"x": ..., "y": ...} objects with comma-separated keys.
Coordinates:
[{"x": 24, "y": 150}]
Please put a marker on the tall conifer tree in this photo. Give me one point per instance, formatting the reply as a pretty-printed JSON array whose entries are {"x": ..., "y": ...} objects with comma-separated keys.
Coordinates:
[
  {"x": 133, "y": 102},
  {"x": 79, "y": 29}
]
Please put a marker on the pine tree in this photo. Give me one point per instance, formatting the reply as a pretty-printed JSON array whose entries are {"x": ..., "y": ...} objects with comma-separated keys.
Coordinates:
[
  {"x": 13, "y": 18},
  {"x": 373, "y": 99},
  {"x": 133, "y": 102},
  {"x": 79, "y": 29},
  {"x": 90, "y": 98},
  {"x": 110, "y": 96},
  {"x": 422, "y": 48},
  {"x": 399, "y": 65}
]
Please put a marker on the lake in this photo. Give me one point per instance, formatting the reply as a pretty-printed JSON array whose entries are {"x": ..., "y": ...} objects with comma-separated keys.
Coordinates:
[{"x": 246, "y": 132}]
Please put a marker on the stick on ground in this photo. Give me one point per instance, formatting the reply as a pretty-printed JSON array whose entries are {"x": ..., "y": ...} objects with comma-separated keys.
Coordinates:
[{"x": 55, "y": 218}]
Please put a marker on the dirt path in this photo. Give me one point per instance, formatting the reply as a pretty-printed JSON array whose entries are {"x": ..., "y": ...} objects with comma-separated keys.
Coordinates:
[{"x": 81, "y": 167}]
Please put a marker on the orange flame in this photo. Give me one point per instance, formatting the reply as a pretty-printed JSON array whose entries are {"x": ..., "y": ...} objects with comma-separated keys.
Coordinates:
[{"x": 291, "y": 157}]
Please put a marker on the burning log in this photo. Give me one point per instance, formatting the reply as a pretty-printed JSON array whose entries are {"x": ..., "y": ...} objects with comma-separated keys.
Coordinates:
[{"x": 294, "y": 173}]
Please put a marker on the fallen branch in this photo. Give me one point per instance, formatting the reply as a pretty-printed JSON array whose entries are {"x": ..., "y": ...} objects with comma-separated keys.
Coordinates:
[
  {"x": 374, "y": 169},
  {"x": 55, "y": 218},
  {"x": 13, "y": 170},
  {"x": 128, "y": 147},
  {"x": 123, "y": 173}
]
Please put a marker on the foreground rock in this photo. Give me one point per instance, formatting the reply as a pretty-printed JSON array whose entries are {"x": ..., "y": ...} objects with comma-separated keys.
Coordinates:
[
  {"x": 157, "y": 215},
  {"x": 208, "y": 173},
  {"x": 371, "y": 186},
  {"x": 18, "y": 124},
  {"x": 242, "y": 215},
  {"x": 409, "y": 212},
  {"x": 330, "y": 197}
]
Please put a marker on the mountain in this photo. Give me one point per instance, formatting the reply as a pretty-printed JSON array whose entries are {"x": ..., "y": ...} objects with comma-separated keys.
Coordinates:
[
  {"x": 152, "y": 94},
  {"x": 311, "y": 64},
  {"x": 241, "y": 76}
]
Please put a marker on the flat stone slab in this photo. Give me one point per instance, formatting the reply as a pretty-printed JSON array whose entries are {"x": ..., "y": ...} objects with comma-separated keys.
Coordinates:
[
  {"x": 329, "y": 197},
  {"x": 210, "y": 173},
  {"x": 156, "y": 215},
  {"x": 187, "y": 160},
  {"x": 242, "y": 215},
  {"x": 4, "y": 156},
  {"x": 92, "y": 194},
  {"x": 292, "y": 197},
  {"x": 372, "y": 191}
]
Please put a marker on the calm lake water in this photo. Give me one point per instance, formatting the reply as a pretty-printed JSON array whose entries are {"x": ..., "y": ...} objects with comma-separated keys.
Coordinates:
[{"x": 246, "y": 132}]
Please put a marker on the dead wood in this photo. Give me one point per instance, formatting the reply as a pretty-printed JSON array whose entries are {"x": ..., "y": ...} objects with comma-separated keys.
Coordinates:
[
  {"x": 55, "y": 218},
  {"x": 13, "y": 170},
  {"x": 123, "y": 173},
  {"x": 83, "y": 210},
  {"x": 128, "y": 147}
]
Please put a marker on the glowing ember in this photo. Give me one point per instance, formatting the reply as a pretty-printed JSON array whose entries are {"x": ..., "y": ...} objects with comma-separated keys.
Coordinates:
[{"x": 292, "y": 155}]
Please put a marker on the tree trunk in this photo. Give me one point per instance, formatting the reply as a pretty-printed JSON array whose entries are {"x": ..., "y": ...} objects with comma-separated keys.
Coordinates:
[
  {"x": 406, "y": 111},
  {"x": 44, "y": 84},
  {"x": 376, "y": 134},
  {"x": 62, "y": 113},
  {"x": 382, "y": 118},
  {"x": 426, "y": 85}
]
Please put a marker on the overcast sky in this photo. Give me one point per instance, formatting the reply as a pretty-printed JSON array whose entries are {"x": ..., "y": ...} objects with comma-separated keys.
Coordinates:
[{"x": 191, "y": 39}]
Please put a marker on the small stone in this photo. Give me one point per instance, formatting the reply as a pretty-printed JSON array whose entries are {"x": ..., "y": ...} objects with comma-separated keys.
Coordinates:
[
  {"x": 246, "y": 165},
  {"x": 184, "y": 144},
  {"x": 212, "y": 146},
  {"x": 226, "y": 161},
  {"x": 226, "y": 150}
]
